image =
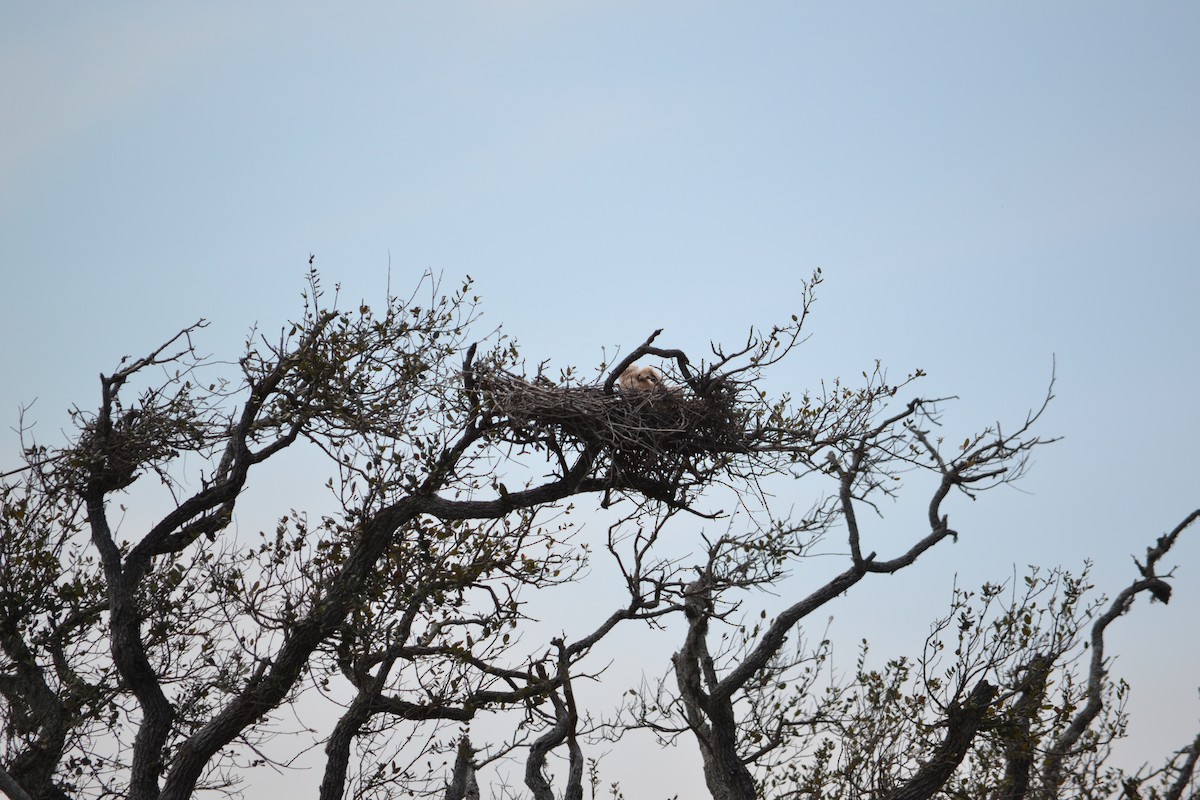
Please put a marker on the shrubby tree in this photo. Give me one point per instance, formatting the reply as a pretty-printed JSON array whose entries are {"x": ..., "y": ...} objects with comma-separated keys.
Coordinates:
[{"x": 170, "y": 660}]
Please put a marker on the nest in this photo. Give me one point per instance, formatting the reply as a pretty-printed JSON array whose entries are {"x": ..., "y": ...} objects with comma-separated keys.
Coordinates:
[
  {"x": 666, "y": 437},
  {"x": 137, "y": 439}
]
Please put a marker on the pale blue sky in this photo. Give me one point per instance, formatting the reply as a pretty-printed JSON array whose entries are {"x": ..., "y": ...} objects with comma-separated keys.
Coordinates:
[{"x": 985, "y": 188}]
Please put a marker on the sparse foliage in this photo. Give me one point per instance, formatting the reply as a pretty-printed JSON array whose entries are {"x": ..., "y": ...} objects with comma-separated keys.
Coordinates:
[{"x": 151, "y": 647}]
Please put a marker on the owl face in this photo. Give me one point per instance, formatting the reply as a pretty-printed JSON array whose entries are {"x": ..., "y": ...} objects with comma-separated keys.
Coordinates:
[{"x": 640, "y": 379}]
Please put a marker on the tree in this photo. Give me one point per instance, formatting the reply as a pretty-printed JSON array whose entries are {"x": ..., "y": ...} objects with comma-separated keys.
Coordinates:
[
  {"x": 1009, "y": 716},
  {"x": 160, "y": 665}
]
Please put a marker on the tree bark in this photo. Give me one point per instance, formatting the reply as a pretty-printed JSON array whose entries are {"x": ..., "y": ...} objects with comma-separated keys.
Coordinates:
[
  {"x": 463, "y": 785},
  {"x": 11, "y": 788},
  {"x": 710, "y": 714},
  {"x": 963, "y": 724},
  {"x": 1019, "y": 747}
]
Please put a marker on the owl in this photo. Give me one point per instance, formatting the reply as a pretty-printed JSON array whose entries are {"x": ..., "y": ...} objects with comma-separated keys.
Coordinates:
[{"x": 641, "y": 379}]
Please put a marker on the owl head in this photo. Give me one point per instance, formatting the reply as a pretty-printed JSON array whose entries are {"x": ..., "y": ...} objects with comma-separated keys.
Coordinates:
[{"x": 640, "y": 379}]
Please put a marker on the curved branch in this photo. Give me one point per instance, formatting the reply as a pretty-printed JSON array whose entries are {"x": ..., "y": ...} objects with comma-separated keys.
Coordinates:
[
  {"x": 1098, "y": 671},
  {"x": 962, "y": 724}
]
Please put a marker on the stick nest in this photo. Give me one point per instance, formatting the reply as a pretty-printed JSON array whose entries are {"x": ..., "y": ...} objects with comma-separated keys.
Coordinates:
[{"x": 662, "y": 435}]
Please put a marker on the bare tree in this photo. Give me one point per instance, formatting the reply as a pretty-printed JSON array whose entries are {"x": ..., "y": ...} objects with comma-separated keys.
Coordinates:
[
  {"x": 155, "y": 657},
  {"x": 995, "y": 706}
]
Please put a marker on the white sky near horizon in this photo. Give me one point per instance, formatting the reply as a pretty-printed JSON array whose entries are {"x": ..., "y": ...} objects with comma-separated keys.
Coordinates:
[{"x": 991, "y": 192}]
